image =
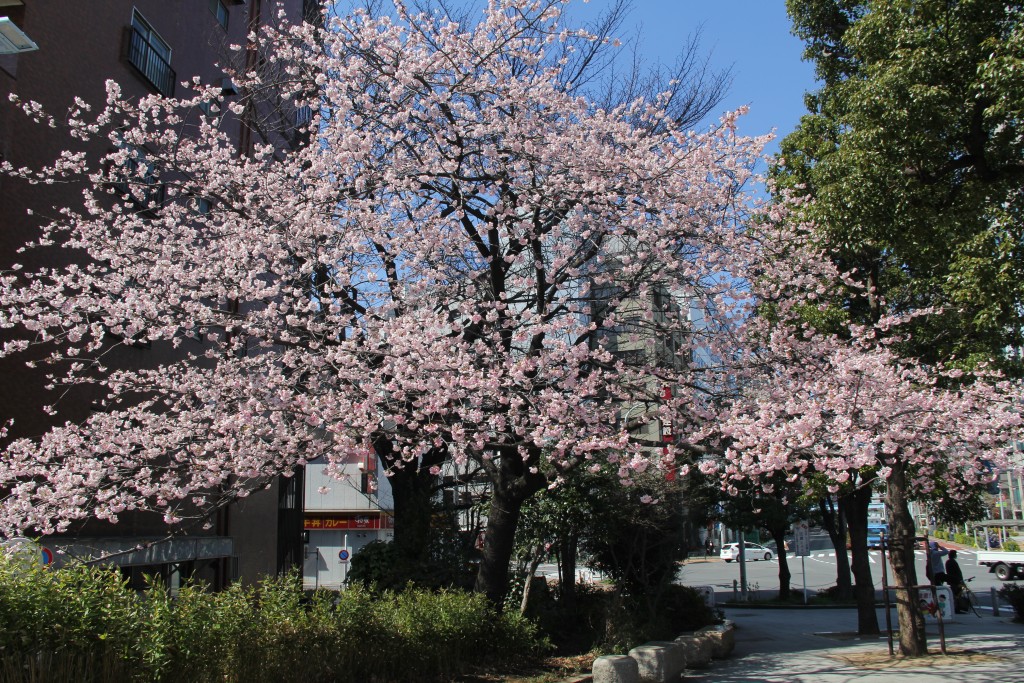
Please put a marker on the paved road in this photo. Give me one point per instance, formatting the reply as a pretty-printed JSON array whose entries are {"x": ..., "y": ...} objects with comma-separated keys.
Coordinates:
[{"x": 763, "y": 577}]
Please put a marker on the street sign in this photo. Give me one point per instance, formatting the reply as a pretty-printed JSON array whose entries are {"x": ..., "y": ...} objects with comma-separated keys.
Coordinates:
[
  {"x": 343, "y": 554},
  {"x": 802, "y": 548},
  {"x": 801, "y": 539},
  {"x": 26, "y": 553},
  {"x": 944, "y": 595}
]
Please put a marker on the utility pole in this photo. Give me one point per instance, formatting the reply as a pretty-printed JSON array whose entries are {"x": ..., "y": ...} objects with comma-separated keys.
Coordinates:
[{"x": 743, "y": 567}]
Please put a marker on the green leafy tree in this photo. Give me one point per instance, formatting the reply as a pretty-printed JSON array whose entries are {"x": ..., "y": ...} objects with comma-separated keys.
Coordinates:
[
  {"x": 639, "y": 537},
  {"x": 553, "y": 524},
  {"x": 912, "y": 156},
  {"x": 750, "y": 506}
]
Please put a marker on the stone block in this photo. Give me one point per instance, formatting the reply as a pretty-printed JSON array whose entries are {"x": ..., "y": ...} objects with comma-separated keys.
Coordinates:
[
  {"x": 615, "y": 669},
  {"x": 659, "y": 661},
  {"x": 722, "y": 637},
  {"x": 699, "y": 650}
]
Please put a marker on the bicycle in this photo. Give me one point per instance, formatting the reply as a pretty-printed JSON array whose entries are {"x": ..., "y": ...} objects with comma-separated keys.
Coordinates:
[{"x": 966, "y": 597}]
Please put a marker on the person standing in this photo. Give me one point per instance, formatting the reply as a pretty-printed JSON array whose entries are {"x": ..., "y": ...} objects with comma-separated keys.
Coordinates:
[{"x": 936, "y": 564}]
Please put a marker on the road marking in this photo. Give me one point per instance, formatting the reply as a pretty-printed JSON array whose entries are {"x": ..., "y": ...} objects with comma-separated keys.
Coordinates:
[{"x": 965, "y": 554}]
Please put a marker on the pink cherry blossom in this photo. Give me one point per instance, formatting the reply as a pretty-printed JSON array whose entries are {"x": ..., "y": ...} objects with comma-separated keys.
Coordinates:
[{"x": 440, "y": 267}]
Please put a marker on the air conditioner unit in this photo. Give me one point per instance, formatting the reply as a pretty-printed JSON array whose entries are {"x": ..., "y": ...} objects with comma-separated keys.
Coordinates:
[{"x": 13, "y": 40}]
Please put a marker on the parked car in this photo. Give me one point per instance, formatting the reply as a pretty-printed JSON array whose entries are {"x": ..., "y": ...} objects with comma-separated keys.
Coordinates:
[{"x": 752, "y": 551}]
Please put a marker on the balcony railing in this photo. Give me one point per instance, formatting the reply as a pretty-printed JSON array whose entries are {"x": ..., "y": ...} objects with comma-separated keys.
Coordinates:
[{"x": 150, "y": 63}]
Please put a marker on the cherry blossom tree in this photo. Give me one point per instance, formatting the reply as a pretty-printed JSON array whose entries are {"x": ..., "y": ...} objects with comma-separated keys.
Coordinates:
[
  {"x": 907, "y": 156},
  {"x": 448, "y": 270},
  {"x": 841, "y": 402}
]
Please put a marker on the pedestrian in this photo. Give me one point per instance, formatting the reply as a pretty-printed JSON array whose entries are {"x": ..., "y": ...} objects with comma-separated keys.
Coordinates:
[
  {"x": 936, "y": 564},
  {"x": 709, "y": 548},
  {"x": 955, "y": 579}
]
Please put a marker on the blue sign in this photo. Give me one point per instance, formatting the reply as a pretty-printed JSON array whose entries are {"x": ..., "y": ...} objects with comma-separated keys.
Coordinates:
[{"x": 343, "y": 554}]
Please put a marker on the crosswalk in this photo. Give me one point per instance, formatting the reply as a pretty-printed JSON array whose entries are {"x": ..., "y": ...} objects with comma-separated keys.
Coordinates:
[{"x": 873, "y": 557}]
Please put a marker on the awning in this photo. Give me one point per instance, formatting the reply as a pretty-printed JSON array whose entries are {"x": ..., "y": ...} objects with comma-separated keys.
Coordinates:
[
  {"x": 996, "y": 523},
  {"x": 128, "y": 552}
]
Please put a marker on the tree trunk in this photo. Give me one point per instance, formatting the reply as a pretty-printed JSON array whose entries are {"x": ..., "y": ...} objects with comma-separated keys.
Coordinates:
[
  {"x": 567, "y": 567},
  {"x": 412, "y": 490},
  {"x": 779, "y": 535},
  {"x": 412, "y": 515},
  {"x": 901, "y": 558},
  {"x": 499, "y": 541},
  {"x": 833, "y": 521},
  {"x": 535, "y": 560},
  {"x": 513, "y": 480},
  {"x": 855, "y": 510}
]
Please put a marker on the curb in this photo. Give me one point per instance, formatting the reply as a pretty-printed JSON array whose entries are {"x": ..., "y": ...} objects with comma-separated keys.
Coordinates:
[{"x": 754, "y": 605}]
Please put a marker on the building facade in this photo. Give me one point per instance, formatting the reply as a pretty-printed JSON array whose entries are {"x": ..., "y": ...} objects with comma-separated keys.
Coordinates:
[
  {"x": 147, "y": 46},
  {"x": 345, "y": 510}
]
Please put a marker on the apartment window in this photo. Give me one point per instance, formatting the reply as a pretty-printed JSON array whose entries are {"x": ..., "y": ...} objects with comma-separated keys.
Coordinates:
[
  {"x": 303, "y": 115},
  {"x": 220, "y": 10},
  {"x": 150, "y": 55},
  {"x": 311, "y": 12},
  {"x": 139, "y": 182}
]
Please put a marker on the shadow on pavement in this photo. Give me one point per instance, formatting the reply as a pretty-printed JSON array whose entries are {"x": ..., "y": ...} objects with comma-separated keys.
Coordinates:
[{"x": 786, "y": 645}]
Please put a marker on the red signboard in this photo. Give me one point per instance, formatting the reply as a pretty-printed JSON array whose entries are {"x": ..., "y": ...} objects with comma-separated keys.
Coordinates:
[{"x": 330, "y": 522}]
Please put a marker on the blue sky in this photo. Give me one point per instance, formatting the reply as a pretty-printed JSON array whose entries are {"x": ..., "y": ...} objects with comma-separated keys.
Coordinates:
[{"x": 751, "y": 36}]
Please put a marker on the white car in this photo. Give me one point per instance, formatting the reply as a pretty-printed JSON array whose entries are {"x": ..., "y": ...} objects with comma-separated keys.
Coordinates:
[{"x": 753, "y": 551}]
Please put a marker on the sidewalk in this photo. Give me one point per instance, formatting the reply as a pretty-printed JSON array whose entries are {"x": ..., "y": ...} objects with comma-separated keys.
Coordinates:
[{"x": 816, "y": 646}]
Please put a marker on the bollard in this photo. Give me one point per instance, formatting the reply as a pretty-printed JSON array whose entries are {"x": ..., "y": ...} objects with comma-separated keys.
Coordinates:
[
  {"x": 736, "y": 589},
  {"x": 942, "y": 625},
  {"x": 995, "y": 601},
  {"x": 699, "y": 650}
]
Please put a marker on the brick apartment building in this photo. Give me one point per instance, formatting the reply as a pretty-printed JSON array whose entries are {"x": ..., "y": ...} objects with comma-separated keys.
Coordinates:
[{"x": 59, "y": 49}]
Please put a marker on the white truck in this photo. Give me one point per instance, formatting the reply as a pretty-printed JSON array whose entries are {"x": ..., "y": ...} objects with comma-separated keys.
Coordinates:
[{"x": 1005, "y": 565}]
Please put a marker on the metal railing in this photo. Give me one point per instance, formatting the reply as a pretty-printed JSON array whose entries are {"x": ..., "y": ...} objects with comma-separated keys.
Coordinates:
[{"x": 149, "y": 62}]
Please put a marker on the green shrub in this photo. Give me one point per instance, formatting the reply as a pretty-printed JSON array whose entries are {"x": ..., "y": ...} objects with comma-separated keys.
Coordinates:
[
  {"x": 198, "y": 634},
  {"x": 373, "y": 565},
  {"x": 1011, "y": 546},
  {"x": 379, "y": 564},
  {"x": 579, "y": 627},
  {"x": 678, "y": 609},
  {"x": 86, "y": 625},
  {"x": 1014, "y": 594},
  {"x": 78, "y": 618},
  {"x": 684, "y": 609},
  {"x": 605, "y": 620}
]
